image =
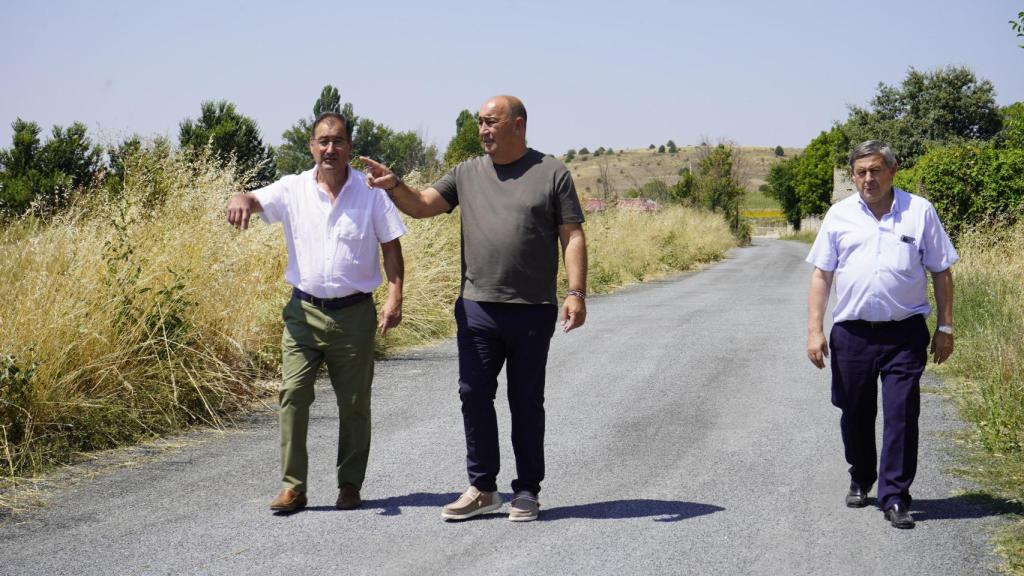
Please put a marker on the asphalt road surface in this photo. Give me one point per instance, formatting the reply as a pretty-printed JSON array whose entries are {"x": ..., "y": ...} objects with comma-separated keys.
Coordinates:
[{"x": 687, "y": 434}]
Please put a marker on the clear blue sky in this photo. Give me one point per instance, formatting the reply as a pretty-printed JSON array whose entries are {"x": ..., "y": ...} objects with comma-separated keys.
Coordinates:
[{"x": 591, "y": 73}]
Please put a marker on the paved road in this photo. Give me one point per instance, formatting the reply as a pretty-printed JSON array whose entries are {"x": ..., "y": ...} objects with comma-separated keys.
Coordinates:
[{"x": 688, "y": 434}]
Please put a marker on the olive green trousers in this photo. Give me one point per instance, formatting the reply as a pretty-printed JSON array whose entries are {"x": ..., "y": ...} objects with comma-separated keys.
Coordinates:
[{"x": 344, "y": 340}]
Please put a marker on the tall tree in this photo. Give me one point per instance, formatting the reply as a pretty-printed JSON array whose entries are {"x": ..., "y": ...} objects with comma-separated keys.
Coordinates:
[
  {"x": 466, "y": 142},
  {"x": 814, "y": 171},
  {"x": 946, "y": 106},
  {"x": 230, "y": 137},
  {"x": 782, "y": 186},
  {"x": 44, "y": 174}
]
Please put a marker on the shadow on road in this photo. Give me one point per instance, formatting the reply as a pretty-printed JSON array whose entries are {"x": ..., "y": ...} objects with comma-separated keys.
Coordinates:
[
  {"x": 964, "y": 507},
  {"x": 660, "y": 510}
]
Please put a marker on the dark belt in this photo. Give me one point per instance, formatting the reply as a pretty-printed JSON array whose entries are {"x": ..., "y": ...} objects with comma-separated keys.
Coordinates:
[
  {"x": 883, "y": 323},
  {"x": 331, "y": 303}
]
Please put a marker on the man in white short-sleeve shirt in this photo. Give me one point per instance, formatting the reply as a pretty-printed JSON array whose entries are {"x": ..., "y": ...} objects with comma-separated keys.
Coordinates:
[
  {"x": 333, "y": 224},
  {"x": 879, "y": 246}
]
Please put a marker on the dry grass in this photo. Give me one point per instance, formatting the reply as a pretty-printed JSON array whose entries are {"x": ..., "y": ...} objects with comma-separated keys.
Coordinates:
[
  {"x": 628, "y": 246},
  {"x": 133, "y": 315},
  {"x": 632, "y": 168},
  {"x": 988, "y": 370}
]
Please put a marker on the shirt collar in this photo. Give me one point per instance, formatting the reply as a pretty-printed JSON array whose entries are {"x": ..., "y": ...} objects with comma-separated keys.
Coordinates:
[{"x": 899, "y": 201}]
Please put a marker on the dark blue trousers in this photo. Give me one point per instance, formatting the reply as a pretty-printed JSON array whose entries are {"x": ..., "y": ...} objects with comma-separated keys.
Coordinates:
[
  {"x": 491, "y": 335},
  {"x": 861, "y": 353}
]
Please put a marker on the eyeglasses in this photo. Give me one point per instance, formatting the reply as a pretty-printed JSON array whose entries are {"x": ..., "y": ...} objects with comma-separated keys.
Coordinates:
[{"x": 325, "y": 143}]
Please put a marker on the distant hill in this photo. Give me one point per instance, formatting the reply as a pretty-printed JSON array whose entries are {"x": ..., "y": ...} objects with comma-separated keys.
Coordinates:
[{"x": 633, "y": 168}]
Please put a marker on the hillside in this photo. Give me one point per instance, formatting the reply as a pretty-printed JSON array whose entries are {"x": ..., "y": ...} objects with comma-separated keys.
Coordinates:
[{"x": 632, "y": 168}]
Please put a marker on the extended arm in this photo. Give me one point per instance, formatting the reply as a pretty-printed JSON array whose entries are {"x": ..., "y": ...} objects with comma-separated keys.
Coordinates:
[
  {"x": 241, "y": 207},
  {"x": 942, "y": 343},
  {"x": 394, "y": 268},
  {"x": 817, "y": 301},
  {"x": 416, "y": 203},
  {"x": 574, "y": 253}
]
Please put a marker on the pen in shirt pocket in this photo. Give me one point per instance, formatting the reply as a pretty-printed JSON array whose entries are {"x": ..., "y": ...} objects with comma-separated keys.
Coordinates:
[{"x": 908, "y": 239}]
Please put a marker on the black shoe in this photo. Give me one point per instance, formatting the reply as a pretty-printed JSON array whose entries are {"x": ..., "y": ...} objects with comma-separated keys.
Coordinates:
[
  {"x": 899, "y": 515},
  {"x": 857, "y": 497}
]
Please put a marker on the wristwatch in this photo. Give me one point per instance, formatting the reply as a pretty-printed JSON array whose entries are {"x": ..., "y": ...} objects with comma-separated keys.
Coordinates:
[{"x": 945, "y": 329}]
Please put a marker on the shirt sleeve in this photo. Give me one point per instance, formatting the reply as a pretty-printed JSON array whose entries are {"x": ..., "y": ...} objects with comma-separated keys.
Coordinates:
[
  {"x": 274, "y": 201},
  {"x": 569, "y": 210},
  {"x": 447, "y": 188},
  {"x": 387, "y": 223},
  {"x": 937, "y": 250},
  {"x": 824, "y": 253}
]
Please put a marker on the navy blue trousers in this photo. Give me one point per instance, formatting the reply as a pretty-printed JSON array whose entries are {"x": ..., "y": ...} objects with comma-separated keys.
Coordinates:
[
  {"x": 489, "y": 336},
  {"x": 861, "y": 353}
]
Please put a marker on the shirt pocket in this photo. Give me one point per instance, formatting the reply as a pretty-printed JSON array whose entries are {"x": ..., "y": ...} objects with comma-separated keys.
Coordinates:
[
  {"x": 349, "y": 236},
  {"x": 900, "y": 255}
]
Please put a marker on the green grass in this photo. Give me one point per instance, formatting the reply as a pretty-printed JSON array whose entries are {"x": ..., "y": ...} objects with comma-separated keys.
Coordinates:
[{"x": 757, "y": 201}]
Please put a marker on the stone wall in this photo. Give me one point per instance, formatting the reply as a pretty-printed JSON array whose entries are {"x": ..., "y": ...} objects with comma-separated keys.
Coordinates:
[{"x": 842, "y": 185}]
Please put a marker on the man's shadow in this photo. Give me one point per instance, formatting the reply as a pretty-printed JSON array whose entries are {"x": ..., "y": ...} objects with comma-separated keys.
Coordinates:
[
  {"x": 659, "y": 510},
  {"x": 971, "y": 505}
]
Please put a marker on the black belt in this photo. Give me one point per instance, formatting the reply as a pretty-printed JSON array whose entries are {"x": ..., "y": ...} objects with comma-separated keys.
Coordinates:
[
  {"x": 331, "y": 303},
  {"x": 882, "y": 323}
]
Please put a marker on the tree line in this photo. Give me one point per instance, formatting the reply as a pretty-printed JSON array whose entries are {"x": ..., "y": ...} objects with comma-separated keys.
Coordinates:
[
  {"x": 40, "y": 177},
  {"x": 954, "y": 145}
]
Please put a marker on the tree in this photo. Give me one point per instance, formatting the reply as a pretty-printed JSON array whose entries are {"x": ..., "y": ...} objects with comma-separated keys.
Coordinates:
[
  {"x": 947, "y": 106},
  {"x": 231, "y": 137},
  {"x": 683, "y": 190},
  {"x": 655, "y": 189},
  {"x": 293, "y": 156},
  {"x": 584, "y": 151},
  {"x": 569, "y": 156},
  {"x": 599, "y": 151},
  {"x": 781, "y": 185},
  {"x": 44, "y": 174},
  {"x": 1018, "y": 26},
  {"x": 466, "y": 142},
  {"x": 814, "y": 170},
  {"x": 1012, "y": 134},
  {"x": 779, "y": 151},
  {"x": 672, "y": 148},
  {"x": 651, "y": 147},
  {"x": 970, "y": 184},
  {"x": 718, "y": 182},
  {"x": 661, "y": 149}
]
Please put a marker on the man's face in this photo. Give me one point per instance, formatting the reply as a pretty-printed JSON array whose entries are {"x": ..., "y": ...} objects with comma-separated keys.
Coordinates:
[
  {"x": 498, "y": 132},
  {"x": 873, "y": 179},
  {"x": 330, "y": 146}
]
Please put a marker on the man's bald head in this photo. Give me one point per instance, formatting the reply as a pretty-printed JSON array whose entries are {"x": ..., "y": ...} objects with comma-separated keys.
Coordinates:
[{"x": 513, "y": 107}]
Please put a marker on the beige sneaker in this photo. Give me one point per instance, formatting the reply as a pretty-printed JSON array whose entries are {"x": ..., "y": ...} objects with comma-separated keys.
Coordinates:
[
  {"x": 525, "y": 507},
  {"x": 472, "y": 503}
]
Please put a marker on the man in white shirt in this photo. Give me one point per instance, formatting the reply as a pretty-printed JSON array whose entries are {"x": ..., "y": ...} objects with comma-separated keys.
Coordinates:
[
  {"x": 333, "y": 223},
  {"x": 878, "y": 245}
]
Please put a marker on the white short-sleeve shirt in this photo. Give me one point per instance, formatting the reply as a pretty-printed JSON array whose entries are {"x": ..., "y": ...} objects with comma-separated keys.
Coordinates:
[
  {"x": 333, "y": 250},
  {"x": 880, "y": 265}
]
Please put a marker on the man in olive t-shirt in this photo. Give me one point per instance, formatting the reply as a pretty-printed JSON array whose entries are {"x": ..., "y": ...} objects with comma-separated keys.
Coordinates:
[{"x": 518, "y": 205}]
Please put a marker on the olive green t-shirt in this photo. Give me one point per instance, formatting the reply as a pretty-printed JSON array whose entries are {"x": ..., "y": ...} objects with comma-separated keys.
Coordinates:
[{"x": 510, "y": 219}]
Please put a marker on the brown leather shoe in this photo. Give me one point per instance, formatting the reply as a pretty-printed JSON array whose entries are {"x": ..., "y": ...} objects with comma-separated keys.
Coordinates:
[
  {"x": 288, "y": 500},
  {"x": 348, "y": 498}
]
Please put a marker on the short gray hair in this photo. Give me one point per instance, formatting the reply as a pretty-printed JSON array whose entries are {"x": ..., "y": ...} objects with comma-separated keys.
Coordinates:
[{"x": 870, "y": 148}]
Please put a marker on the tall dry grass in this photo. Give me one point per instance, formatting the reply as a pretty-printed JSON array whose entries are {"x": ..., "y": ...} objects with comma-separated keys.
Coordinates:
[
  {"x": 988, "y": 369},
  {"x": 137, "y": 313},
  {"x": 628, "y": 246}
]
